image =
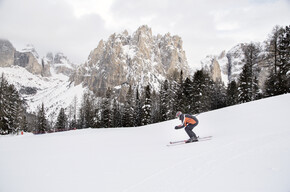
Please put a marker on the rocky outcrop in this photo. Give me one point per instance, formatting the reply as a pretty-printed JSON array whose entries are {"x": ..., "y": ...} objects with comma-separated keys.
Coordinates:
[
  {"x": 216, "y": 71},
  {"x": 60, "y": 63},
  {"x": 27, "y": 58},
  {"x": 138, "y": 59},
  {"x": 229, "y": 65},
  {"x": 7, "y": 52}
]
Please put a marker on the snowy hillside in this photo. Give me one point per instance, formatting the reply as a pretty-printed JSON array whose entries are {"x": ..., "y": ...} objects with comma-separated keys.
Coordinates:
[
  {"x": 250, "y": 151},
  {"x": 55, "y": 91}
]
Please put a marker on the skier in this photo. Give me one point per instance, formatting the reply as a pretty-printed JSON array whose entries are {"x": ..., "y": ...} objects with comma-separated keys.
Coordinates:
[{"x": 189, "y": 122}]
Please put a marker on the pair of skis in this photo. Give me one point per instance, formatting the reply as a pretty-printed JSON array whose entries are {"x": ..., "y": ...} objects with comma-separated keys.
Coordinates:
[{"x": 173, "y": 143}]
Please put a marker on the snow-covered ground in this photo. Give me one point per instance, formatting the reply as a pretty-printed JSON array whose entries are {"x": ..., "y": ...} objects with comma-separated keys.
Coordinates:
[{"x": 250, "y": 151}]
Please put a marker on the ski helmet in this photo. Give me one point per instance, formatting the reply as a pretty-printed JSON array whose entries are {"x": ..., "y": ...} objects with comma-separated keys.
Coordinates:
[{"x": 178, "y": 113}]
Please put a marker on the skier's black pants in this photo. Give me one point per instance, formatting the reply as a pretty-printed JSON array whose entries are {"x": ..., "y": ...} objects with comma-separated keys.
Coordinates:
[{"x": 189, "y": 131}]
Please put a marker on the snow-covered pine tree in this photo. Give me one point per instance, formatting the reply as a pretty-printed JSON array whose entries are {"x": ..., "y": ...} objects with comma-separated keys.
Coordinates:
[
  {"x": 137, "y": 110},
  {"x": 187, "y": 96},
  {"x": 278, "y": 48},
  {"x": 232, "y": 93},
  {"x": 248, "y": 78},
  {"x": 197, "y": 91},
  {"x": 217, "y": 93},
  {"x": 202, "y": 85},
  {"x": 116, "y": 118},
  {"x": 164, "y": 101},
  {"x": 147, "y": 107},
  {"x": 12, "y": 108},
  {"x": 88, "y": 110},
  {"x": 245, "y": 89},
  {"x": 155, "y": 109},
  {"x": 81, "y": 118},
  {"x": 41, "y": 126},
  {"x": 284, "y": 61},
  {"x": 178, "y": 101},
  {"x": 272, "y": 47},
  {"x": 61, "y": 123},
  {"x": 4, "y": 118},
  {"x": 128, "y": 115},
  {"x": 106, "y": 120}
]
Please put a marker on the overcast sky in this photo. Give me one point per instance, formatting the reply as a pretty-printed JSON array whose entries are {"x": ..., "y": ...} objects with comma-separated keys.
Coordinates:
[{"x": 75, "y": 27}]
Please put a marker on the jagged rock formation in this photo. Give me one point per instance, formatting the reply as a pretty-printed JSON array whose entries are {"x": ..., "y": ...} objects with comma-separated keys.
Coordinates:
[
  {"x": 7, "y": 52},
  {"x": 228, "y": 65},
  {"x": 60, "y": 63},
  {"x": 216, "y": 71},
  {"x": 136, "y": 60},
  {"x": 27, "y": 58}
]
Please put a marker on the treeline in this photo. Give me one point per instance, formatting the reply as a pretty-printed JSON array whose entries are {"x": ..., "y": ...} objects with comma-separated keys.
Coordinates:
[{"x": 142, "y": 106}]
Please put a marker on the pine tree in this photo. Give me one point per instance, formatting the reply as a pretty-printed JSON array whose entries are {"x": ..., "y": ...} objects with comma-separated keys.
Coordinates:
[
  {"x": 179, "y": 97},
  {"x": 128, "y": 116},
  {"x": 107, "y": 112},
  {"x": 155, "y": 107},
  {"x": 232, "y": 94},
  {"x": 147, "y": 107},
  {"x": 61, "y": 123},
  {"x": 245, "y": 89},
  {"x": 41, "y": 121},
  {"x": 187, "y": 95},
  {"x": 164, "y": 102},
  {"x": 248, "y": 83},
  {"x": 202, "y": 87},
  {"x": 273, "y": 47},
  {"x": 117, "y": 118},
  {"x": 81, "y": 119},
  {"x": 217, "y": 94},
  {"x": 88, "y": 110},
  {"x": 15, "y": 109},
  {"x": 284, "y": 60},
  {"x": 279, "y": 59},
  {"x": 4, "y": 119},
  {"x": 11, "y": 108},
  {"x": 137, "y": 110},
  {"x": 24, "y": 123}
]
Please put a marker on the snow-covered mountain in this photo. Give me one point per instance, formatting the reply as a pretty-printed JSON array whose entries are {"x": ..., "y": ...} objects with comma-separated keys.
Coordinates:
[
  {"x": 137, "y": 60},
  {"x": 55, "y": 92},
  {"x": 39, "y": 79},
  {"x": 228, "y": 65},
  {"x": 249, "y": 151}
]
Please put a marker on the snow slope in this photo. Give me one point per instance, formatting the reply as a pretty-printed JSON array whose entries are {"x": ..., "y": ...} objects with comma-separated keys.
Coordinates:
[
  {"x": 250, "y": 151},
  {"x": 55, "y": 92}
]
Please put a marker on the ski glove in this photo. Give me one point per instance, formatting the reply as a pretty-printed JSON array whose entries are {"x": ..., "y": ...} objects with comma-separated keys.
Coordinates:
[{"x": 177, "y": 127}]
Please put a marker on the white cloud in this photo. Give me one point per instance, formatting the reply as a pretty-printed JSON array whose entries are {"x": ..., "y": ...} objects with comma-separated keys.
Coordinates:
[{"x": 76, "y": 26}]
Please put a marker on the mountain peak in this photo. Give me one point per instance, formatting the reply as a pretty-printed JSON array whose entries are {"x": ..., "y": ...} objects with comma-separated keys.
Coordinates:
[
  {"x": 144, "y": 29},
  {"x": 138, "y": 60}
]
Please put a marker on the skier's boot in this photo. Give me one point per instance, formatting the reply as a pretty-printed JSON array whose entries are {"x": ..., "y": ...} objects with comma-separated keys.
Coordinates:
[{"x": 192, "y": 139}]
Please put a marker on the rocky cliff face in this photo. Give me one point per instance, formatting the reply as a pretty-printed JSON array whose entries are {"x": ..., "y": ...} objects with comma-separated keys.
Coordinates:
[
  {"x": 7, "y": 52},
  {"x": 60, "y": 63},
  {"x": 228, "y": 65},
  {"x": 138, "y": 59},
  {"x": 29, "y": 59}
]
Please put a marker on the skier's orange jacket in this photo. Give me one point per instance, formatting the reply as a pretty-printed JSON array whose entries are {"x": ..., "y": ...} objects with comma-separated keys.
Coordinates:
[{"x": 187, "y": 119}]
